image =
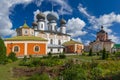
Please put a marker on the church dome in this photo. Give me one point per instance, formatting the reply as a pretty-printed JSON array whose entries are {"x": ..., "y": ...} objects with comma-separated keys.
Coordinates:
[
  {"x": 40, "y": 16},
  {"x": 101, "y": 31},
  {"x": 52, "y": 17},
  {"x": 34, "y": 24},
  {"x": 62, "y": 21}
]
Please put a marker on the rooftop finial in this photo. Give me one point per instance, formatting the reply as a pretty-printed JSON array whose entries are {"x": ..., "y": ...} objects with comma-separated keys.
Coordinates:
[
  {"x": 52, "y": 6},
  {"x": 101, "y": 27},
  {"x": 25, "y": 21}
]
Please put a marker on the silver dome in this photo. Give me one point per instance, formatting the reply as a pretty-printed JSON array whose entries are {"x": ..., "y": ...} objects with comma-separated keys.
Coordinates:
[
  {"x": 51, "y": 16},
  {"x": 40, "y": 16},
  {"x": 62, "y": 21}
]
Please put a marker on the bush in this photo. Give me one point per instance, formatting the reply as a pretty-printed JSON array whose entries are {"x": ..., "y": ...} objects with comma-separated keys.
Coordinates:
[
  {"x": 62, "y": 56},
  {"x": 49, "y": 54},
  {"x": 12, "y": 56},
  {"x": 90, "y": 52},
  {"x": 25, "y": 58},
  {"x": 104, "y": 54},
  {"x": 117, "y": 54}
]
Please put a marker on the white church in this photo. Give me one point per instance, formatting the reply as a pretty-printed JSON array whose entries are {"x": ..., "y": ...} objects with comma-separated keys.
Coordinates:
[{"x": 48, "y": 30}]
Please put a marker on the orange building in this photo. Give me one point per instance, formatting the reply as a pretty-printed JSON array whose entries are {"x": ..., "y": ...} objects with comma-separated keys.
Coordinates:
[
  {"x": 25, "y": 44},
  {"x": 73, "y": 47}
]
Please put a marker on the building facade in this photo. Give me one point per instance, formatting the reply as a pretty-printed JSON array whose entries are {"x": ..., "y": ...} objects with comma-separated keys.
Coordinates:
[
  {"x": 102, "y": 42},
  {"x": 25, "y": 43},
  {"x": 73, "y": 47}
]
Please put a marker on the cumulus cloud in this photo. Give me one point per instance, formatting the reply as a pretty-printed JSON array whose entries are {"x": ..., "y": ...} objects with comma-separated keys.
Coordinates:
[
  {"x": 5, "y": 22},
  {"x": 87, "y": 42},
  {"x": 38, "y": 2},
  {"x": 78, "y": 40},
  {"x": 107, "y": 20},
  {"x": 75, "y": 26}
]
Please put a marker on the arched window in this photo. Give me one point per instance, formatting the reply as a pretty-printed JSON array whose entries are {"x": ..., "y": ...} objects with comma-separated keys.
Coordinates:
[
  {"x": 37, "y": 49},
  {"x": 41, "y": 25},
  {"x": 16, "y": 49}
]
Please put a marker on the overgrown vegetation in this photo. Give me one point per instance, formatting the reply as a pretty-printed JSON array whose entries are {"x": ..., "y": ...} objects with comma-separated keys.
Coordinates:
[
  {"x": 62, "y": 67},
  {"x": 3, "y": 57},
  {"x": 12, "y": 56}
]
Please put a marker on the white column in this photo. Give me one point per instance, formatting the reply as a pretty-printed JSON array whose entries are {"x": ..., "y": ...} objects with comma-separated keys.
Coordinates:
[{"x": 25, "y": 48}]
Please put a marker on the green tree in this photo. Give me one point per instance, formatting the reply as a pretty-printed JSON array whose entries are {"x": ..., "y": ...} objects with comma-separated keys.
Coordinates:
[
  {"x": 90, "y": 52},
  {"x": 104, "y": 54},
  {"x": 2, "y": 52},
  {"x": 12, "y": 56}
]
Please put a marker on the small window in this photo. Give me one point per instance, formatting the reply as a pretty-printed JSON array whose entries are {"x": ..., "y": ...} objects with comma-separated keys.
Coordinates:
[
  {"x": 37, "y": 49},
  {"x": 16, "y": 49},
  {"x": 25, "y": 32},
  {"x": 51, "y": 41}
]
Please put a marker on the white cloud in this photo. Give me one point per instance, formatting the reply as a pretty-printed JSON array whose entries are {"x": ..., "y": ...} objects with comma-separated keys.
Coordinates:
[
  {"x": 114, "y": 38},
  {"x": 38, "y": 2},
  {"x": 78, "y": 40},
  {"x": 87, "y": 42},
  {"x": 75, "y": 26},
  {"x": 5, "y": 22},
  {"x": 107, "y": 20},
  {"x": 5, "y": 7},
  {"x": 65, "y": 7}
]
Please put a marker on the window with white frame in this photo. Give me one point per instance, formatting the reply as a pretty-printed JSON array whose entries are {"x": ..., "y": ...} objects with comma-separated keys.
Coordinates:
[
  {"x": 36, "y": 48},
  {"x": 16, "y": 49}
]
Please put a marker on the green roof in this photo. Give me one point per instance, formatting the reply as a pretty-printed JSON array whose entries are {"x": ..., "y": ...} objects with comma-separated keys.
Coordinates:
[
  {"x": 25, "y": 38},
  {"x": 71, "y": 42},
  {"x": 25, "y": 25},
  {"x": 116, "y": 46}
]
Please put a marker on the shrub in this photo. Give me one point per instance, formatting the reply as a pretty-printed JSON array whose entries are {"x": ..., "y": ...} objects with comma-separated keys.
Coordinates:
[
  {"x": 30, "y": 56},
  {"x": 104, "y": 54},
  {"x": 90, "y": 52},
  {"x": 49, "y": 54},
  {"x": 117, "y": 54},
  {"x": 12, "y": 56},
  {"x": 62, "y": 56},
  {"x": 25, "y": 58}
]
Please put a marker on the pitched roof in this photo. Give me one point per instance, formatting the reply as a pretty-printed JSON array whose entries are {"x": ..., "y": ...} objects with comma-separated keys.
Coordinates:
[
  {"x": 116, "y": 46},
  {"x": 25, "y": 25},
  {"x": 25, "y": 38},
  {"x": 71, "y": 42}
]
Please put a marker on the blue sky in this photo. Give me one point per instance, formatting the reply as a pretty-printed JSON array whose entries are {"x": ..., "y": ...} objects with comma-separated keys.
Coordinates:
[{"x": 84, "y": 17}]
